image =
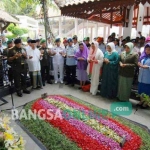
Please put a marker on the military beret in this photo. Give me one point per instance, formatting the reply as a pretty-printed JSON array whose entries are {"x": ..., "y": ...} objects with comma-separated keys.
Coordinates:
[
  {"x": 29, "y": 41},
  {"x": 42, "y": 41},
  {"x": 75, "y": 37},
  {"x": 113, "y": 34},
  {"x": 100, "y": 39},
  {"x": 64, "y": 41},
  {"x": 70, "y": 40},
  {"x": 86, "y": 39},
  {"x": 17, "y": 41},
  {"x": 128, "y": 38},
  {"x": 57, "y": 40},
  {"x": 9, "y": 42}
]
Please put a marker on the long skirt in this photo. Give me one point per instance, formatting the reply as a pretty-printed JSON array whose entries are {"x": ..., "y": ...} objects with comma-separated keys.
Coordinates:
[
  {"x": 124, "y": 88},
  {"x": 82, "y": 75},
  {"x": 144, "y": 88}
]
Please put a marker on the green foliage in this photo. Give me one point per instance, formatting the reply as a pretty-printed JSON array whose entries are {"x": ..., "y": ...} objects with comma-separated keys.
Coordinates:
[
  {"x": 16, "y": 31},
  {"x": 144, "y": 98},
  {"x": 25, "y": 31},
  {"x": 22, "y": 7},
  {"x": 10, "y": 36},
  {"x": 10, "y": 27}
]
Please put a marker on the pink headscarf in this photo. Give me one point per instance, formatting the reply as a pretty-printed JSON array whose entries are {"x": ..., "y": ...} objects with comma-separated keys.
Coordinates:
[{"x": 147, "y": 39}]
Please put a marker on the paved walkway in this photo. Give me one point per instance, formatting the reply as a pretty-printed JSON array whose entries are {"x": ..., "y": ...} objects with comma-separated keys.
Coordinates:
[{"x": 141, "y": 116}]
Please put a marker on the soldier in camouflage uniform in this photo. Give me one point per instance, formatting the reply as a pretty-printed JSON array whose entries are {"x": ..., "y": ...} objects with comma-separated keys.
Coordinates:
[
  {"x": 45, "y": 64},
  {"x": 17, "y": 57}
]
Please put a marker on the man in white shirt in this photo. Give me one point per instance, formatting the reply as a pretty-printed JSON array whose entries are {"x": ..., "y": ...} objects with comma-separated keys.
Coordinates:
[
  {"x": 58, "y": 61},
  {"x": 34, "y": 57}
]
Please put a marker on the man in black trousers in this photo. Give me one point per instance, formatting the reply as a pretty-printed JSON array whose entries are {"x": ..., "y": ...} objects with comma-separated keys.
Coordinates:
[{"x": 17, "y": 57}]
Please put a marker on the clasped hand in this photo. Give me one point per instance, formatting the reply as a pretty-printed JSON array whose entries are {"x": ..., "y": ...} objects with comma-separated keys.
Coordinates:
[
  {"x": 80, "y": 58},
  {"x": 94, "y": 61},
  {"x": 106, "y": 60},
  {"x": 143, "y": 66}
]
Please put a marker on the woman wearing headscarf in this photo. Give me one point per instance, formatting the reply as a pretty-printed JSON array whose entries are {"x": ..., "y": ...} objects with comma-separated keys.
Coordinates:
[
  {"x": 144, "y": 73},
  {"x": 110, "y": 72},
  {"x": 95, "y": 62},
  {"x": 81, "y": 56},
  {"x": 128, "y": 61}
]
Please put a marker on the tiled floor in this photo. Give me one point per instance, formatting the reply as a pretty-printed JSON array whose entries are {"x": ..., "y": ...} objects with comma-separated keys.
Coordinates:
[{"x": 141, "y": 116}]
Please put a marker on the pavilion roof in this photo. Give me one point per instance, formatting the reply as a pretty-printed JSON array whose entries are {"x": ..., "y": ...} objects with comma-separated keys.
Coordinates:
[
  {"x": 106, "y": 11},
  {"x": 5, "y": 17}
]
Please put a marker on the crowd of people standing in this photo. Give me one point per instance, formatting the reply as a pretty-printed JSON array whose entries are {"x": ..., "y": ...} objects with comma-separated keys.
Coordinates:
[{"x": 116, "y": 64}]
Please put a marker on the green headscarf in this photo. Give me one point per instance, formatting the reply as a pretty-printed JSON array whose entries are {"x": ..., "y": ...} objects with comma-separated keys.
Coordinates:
[{"x": 130, "y": 45}]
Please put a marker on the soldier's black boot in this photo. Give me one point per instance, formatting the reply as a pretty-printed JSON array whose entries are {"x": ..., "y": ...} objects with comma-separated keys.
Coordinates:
[
  {"x": 26, "y": 91},
  {"x": 19, "y": 93}
]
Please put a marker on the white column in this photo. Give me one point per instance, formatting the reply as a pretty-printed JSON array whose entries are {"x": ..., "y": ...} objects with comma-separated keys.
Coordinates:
[
  {"x": 120, "y": 31},
  {"x": 76, "y": 26},
  {"x": 87, "y": 29},
  {"x": 108, "y": 31},
  {"x": 96, "y": 29},
  {"x": 127, "y": 30},
  {"x": 140, "y": 19},
  {"x": 83, "y": 29},
  {"x": 60, "y": 27},
  {"x": 91, "y": 37},
  {"x": 104, "y": 33}
]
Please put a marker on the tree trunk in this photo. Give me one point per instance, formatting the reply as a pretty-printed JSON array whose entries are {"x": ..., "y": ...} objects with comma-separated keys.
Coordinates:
[{"x": 46, "y": 22}]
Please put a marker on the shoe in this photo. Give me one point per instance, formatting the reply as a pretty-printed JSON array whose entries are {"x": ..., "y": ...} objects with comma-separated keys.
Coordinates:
[
  {"x": 26, "y": 91},
  {"x": 143, "y": 107},
  {"x": 139, "y": 104},
  {"x": 39, "y": 87},
  {"x": 43, "y": 84},
  {"x": 61, "y": 81},
  {"x": 67, "y": 83},
  {"x": 56, "y": 82},
  {"x": 72, "y": 85},
  {"x": 19, "y": 94},
  {"x": 80, "y": 88},
  {"x": 50, "y": 82}
]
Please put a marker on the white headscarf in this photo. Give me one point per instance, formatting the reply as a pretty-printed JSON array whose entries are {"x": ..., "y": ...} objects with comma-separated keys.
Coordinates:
[
  {"x": 112, "y": 46},
  {"x": 91, "y": 54},
  {"x": 130, "y": 45}
]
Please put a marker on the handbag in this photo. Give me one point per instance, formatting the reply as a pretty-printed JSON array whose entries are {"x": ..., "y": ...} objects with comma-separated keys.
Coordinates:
[{"x": 86, "y": 88}]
